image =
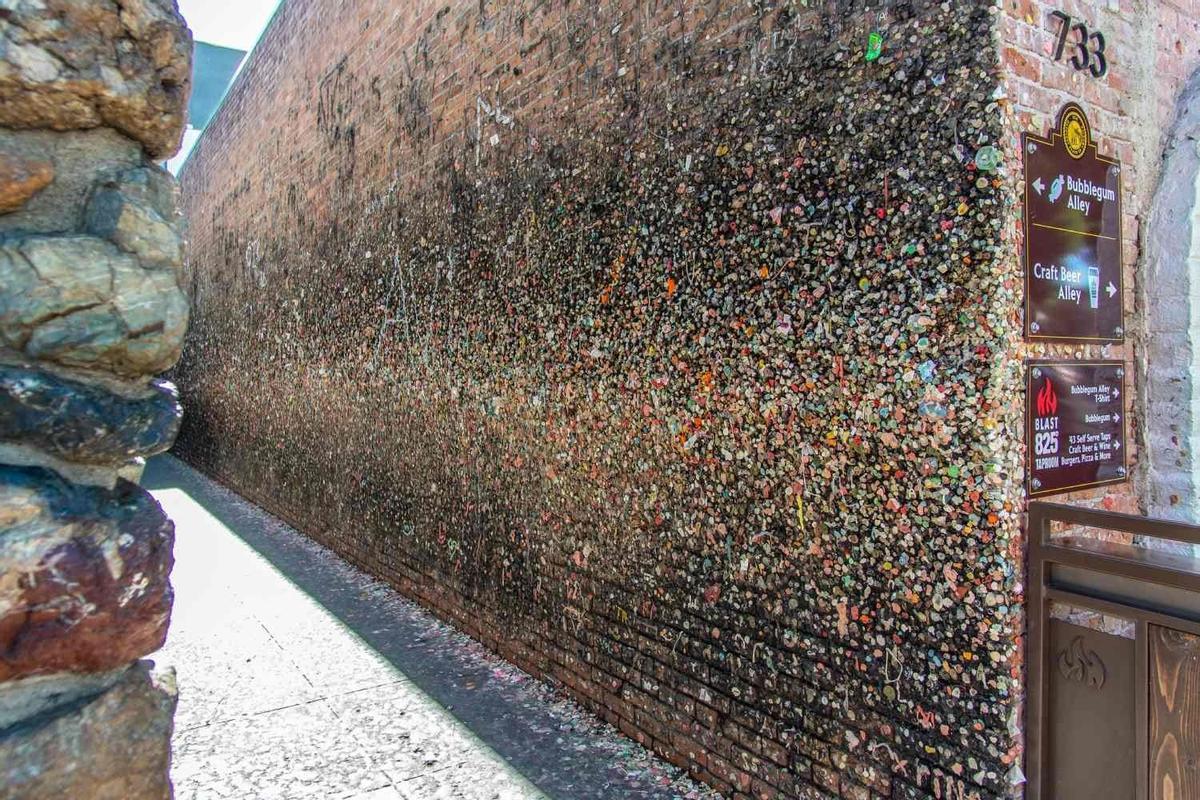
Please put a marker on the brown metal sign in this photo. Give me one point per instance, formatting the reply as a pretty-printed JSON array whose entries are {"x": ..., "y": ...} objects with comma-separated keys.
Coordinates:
[
  {"x": 1074, "y": 423},
  {"x": 1073, "y": 289}
]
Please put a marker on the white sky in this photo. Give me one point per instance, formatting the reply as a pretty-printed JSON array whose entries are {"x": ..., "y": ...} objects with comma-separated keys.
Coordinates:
[{"x": 229, "y": 23}]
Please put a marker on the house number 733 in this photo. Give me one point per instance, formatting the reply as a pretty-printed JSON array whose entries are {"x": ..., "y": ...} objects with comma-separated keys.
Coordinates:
[{"x": 1087, "y": 47}]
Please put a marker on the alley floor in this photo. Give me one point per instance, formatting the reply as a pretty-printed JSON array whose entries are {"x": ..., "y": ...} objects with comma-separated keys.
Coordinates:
[{"x": 301, "y": 677}]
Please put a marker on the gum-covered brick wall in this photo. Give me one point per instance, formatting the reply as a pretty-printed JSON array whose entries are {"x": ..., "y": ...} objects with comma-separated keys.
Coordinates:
[{"x": 662, "y": 346}]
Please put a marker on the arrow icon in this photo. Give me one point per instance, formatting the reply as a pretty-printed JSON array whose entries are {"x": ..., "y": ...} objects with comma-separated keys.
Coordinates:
[
  {"x": 1112, "y": 290},
  {"x": 1039, "y": 187}
]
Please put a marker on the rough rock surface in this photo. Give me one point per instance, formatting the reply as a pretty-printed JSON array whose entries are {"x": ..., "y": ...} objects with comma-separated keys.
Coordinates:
[
  {"x": 21, "y": 179},
  {"x": 77, "y": 64},
  {"x": 79, "y": 158},
  {"x": 80, "y": 423},
  {"x": 139, "y": 212},
  {"x": 37, "y": 694},
  {"x": 84, "y": 585},
  {"x": 91, "y": 93},
  {"x": 113, "y": 746},
  {"x": 79, "y": 301}
]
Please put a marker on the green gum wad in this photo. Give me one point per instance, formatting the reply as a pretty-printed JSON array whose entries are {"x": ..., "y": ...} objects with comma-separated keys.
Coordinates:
[{"x": 874, "y": 45}]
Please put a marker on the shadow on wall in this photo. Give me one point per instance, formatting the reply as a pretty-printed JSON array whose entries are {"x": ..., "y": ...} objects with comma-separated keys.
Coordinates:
[{"x": 514, "y": 719}]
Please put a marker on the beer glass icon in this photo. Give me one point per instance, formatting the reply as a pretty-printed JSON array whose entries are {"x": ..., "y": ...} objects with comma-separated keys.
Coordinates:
[{"x": 1094, "y": 286}]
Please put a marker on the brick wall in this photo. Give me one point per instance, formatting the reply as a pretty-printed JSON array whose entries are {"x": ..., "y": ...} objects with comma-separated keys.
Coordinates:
[
  {"x": 670, "y": 348},
  {"x": 1152, "y": 49}
]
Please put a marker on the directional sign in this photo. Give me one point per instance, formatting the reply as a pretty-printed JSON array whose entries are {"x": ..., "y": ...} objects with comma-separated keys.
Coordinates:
[
  {"x": 1075, "y": 431},
  {"x": 1073, "y": 288}
]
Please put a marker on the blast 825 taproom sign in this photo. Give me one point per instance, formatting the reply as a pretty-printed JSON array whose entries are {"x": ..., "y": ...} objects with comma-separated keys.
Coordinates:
[
  {"x": 1075, "y": 431},
  {"x": 1073, "y": 288}
]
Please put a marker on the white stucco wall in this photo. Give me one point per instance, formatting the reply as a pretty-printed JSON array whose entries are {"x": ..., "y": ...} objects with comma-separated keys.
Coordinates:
[{"x": 1170, "y": 300}]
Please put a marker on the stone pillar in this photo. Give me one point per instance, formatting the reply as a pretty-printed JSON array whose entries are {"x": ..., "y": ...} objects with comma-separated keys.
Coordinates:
[{"x": 92, "y": 94}]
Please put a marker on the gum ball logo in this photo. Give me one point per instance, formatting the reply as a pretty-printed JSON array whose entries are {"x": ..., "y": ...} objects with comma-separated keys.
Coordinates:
[{"x": 1074, "y": 131}]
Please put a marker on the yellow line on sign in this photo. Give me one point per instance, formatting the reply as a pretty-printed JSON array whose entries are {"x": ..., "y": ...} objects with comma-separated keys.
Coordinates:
[{"x": 1068, "y": 230}]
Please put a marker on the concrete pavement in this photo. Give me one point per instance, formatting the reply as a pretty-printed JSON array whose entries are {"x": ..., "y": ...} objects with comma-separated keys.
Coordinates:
[{"x": 301, "y": 677}]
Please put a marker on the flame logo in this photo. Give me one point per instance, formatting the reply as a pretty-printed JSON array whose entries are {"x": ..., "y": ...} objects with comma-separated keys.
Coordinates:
[{"x": 1047, "y": 400}]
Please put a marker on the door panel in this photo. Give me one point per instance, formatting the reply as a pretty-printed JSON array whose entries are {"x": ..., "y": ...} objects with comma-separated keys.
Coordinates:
[
  {"x": 1092, "y": 724},
  {"x": 1174, "y": 714}
]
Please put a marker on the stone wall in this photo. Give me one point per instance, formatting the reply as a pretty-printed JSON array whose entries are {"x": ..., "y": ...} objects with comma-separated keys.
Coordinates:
[
  {"x": 662, "y": 346},
  {"x": 94, "y": 94}
]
